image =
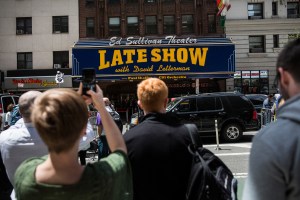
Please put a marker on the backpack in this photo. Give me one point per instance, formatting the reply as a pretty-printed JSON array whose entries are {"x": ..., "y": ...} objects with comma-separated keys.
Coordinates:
[
  {"x": 15, "y": 115},
  {"x": 210, "y": 178}
]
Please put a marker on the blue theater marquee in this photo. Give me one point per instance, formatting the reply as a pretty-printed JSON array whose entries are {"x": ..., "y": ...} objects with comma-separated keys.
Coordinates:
[{"x": 134, "y": 58}]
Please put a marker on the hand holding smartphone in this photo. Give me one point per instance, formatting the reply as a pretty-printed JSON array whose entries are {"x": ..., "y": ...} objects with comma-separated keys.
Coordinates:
[{"x": 88, "y": 80}]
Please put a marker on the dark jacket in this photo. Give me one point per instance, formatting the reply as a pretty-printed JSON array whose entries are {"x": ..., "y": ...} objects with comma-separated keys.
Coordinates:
[{"x": 157, "y": 149}]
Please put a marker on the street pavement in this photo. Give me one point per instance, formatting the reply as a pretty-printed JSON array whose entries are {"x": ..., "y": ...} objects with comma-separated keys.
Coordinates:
[{"x": 236, "y": 157}]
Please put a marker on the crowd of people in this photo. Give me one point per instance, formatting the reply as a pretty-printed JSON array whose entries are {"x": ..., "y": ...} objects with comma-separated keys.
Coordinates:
[{"x": 39, "y": 153}]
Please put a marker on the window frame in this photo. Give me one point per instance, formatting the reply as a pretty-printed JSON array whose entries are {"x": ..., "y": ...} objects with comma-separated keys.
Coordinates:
[
  {"x": 61, "y": 58},
  {"x": 90, "y": 31},
  {"x": 60, "y": 27},
  {"x": 26, "y": 29},
  {"x": 190, "y": 26},
  {"x": 260, "y": 46},
  {"x": 275, "y": 41},
  {"x": 296, "y": 11},
  {"x": 114, "y": 29},
  {"x": 212, "y": 26},
  {"x": 26, "y": 63},
  {"x": 260, "y": 11},
  {"x": 167, "y": 27},
  {"x": 274, "y": 8},
  {"x": 132, "y": 28},
  {"x": 152, "y": 27}
]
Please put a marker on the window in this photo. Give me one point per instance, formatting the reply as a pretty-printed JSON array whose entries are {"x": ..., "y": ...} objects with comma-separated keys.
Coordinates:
[
  {"x": 187, "y": 24},
  {"x": 60, "y": 24},
  {"x": 187, "y": 105},
  {"x": 293, "y": 10},
  {"x": 255, "y": 11},
  {"x": 24, "y": 60},
  {"x": 274, "y": 9},
  {"x": 89, "y": 3},
  {"x": 256, "y": 44},
  {"x": 114, "y": 26},
  {"x": 60, "y": 59},
  {"x": 90, "y": 26},
  {"x": 276, "y": 41},
  {"x": 169, "y": 25},
  {"x": 24, "y": 25},
  {"x": 150, "y": 1},
  {"x": 132, "y": 26},
  {"x": 209, "y": 103},
  {"x": 151, "y": 25},
  {"x": 212, "y": 27}
]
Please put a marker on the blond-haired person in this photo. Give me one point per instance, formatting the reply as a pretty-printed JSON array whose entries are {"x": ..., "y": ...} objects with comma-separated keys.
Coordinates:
[
  {"x": 60, "y": 116},
  {"x": 157, "y": 147}
]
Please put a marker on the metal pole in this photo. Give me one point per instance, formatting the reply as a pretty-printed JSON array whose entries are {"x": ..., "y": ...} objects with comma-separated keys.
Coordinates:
[{"x": 217, "y": 135}]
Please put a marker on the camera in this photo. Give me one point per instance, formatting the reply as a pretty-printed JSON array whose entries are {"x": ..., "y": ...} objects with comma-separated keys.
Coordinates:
[{"x": 88, "y": 80}]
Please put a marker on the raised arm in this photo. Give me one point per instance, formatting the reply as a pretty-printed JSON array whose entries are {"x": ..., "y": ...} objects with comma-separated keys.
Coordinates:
[{"x": 114, "y": 137}]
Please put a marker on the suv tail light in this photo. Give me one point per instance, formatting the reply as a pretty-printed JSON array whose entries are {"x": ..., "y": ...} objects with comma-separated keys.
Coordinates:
[
  {"x": 254, "y": 115},
  {"x": 1, "y": 110}
]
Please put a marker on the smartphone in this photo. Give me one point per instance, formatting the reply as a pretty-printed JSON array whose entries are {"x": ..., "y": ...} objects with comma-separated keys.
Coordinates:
[{"x": 88, "y": 80}]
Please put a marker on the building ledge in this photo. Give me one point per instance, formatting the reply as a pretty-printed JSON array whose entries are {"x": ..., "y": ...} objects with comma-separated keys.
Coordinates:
[{"x": 257, "y": 55}]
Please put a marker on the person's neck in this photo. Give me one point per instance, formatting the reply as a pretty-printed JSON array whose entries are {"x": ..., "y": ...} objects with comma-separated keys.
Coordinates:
[
  {"x": 62, "y": 168},
  {"x": 163, "y": 110}
]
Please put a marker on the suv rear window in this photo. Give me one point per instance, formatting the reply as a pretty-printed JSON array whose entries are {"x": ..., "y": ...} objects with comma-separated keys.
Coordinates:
[{"x": 236, "y": 101}]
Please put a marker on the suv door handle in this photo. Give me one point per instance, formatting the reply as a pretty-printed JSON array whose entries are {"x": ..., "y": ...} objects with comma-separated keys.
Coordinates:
[
  {"x": 193, "y": 115},
  {"x": 222, "y": 113}
]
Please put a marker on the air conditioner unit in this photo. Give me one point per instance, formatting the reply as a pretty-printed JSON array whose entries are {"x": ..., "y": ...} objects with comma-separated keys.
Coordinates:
[
  {"x": 56, "y": 66},
  {"x": 19, "y": 32}
]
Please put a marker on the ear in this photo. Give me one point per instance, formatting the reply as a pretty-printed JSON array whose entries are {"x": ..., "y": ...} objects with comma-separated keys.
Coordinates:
[
  {"x": 166, "y": 102},
  {"x": 140, "y": 104},
  {"x": 285, "y": 77}
]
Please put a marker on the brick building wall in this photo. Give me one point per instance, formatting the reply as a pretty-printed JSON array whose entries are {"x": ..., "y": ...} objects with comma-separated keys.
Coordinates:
[{"x": 102, "y": 9}]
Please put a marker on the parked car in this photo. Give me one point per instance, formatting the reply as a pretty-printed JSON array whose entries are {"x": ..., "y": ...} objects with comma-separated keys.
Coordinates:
[
  {"x": 233, "y": 111},
  {"x": 257, "y": 100},
  {"x": 5, "y": 100}
]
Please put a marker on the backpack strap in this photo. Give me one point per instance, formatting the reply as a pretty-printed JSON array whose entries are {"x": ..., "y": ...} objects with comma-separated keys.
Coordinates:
[{"x": 195, "y": 137}]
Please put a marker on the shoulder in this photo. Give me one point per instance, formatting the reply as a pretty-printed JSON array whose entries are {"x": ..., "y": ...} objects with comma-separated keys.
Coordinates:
[
  {"x": 8, "y": 135},
  {"x": 26, "y": 169},
  {"x": 116, "y": 162},
  {"x": 24, "y": 176}
]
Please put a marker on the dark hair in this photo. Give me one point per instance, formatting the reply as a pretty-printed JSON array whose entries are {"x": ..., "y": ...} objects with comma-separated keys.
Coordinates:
[{"x": 289, "y": 59}]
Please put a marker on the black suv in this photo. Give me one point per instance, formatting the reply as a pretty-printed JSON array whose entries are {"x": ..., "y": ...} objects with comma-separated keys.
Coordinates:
[{"x": 233, "y": 111}]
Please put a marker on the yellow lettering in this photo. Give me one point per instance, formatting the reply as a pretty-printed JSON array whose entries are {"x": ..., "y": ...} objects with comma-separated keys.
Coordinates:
[
  {"x": 155, "y": 56},
  {"x": 102, "y": 63},
  {"x": 142, "y": 55},
  {"x": 169, "y": 53},
  {"x": 182, "y": 55},
  {"x": 198, "y": 55},
  {"x": 117, "y": 58},
  {"x": 129, "y": 53}
]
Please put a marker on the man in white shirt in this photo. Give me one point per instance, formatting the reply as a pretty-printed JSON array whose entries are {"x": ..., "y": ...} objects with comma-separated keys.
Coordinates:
[{"x": 21, "y": 141}]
